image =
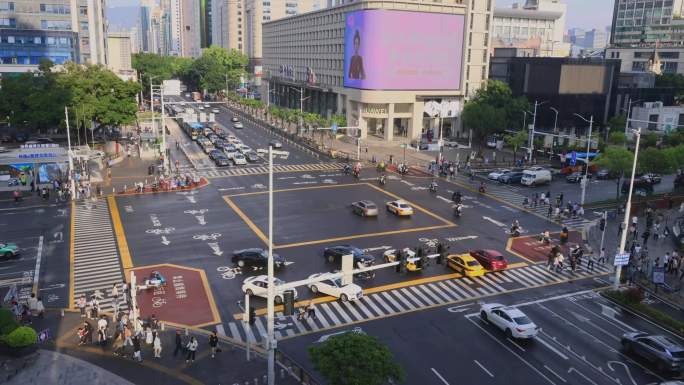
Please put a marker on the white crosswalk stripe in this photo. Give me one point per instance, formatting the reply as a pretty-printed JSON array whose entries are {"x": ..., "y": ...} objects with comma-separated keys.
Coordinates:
[
  {"x": 411, "y": 298},
  {"x": 97, "y": 265},
  {"x": 276, "y": 169},
  {"x": 515, "y": 197}
]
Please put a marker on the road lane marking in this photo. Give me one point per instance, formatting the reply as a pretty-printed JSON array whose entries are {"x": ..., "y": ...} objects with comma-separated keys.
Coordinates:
[
  {"x": 72, "y": 255},
  {"x": 555, "y": 374},
  {"x": 125, "y": 254},
  {"x": 440, "y": 376},
  {"x": 36, "y": 274},
  {"x": 572, "y": 369},
  {"x": 551, "y": 348},
  {"x": 515, "y": 344},
  {"x": 512, "y": 352},
  {"x": 483, "y": 368},
  {"x": 246, "y": 219}
]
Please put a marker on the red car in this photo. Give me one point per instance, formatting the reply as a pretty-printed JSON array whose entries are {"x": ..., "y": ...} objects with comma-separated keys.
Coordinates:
[{"x": 490, "y": 259}]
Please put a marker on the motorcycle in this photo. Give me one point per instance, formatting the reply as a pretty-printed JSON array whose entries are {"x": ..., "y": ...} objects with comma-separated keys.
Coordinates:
[
  {"x": 381, "y": 180},
  {"x": 482, "y": 189},
  {"x": 346, "y": 169},
  {"x": 155, "y": 280},
  {"x": 357, "y": 174},
  {"x": 515, "y": 231},
  {"x": 433, "y": 187},
  {"x": 458, "y": 210},
  {"x": 456, "y": 198}
]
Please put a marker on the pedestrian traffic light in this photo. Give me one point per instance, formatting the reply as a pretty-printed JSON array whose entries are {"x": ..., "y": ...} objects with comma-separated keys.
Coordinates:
[
  {"x": 252, "y": 316},
  {"x": 602, "y": 224},
  {"x": 288, "y": 302}
]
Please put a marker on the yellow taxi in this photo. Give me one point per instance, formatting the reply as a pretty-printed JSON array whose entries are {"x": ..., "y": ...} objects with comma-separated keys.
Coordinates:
[
  {"x": 399, "y": 207},
  {"x": 466, "y": 265}
]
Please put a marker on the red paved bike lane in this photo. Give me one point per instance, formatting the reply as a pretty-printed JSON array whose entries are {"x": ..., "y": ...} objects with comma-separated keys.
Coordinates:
[
  {"x": 185, "y": 299},
  {"x": 531, "y": 248}
]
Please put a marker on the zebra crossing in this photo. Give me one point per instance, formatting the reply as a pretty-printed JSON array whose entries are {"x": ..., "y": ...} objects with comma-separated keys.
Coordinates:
[
  {"x": 97, "y": 265},
  {"x": 411, "y": 298},
  {"x": 276, "y": 169},
  {"x": 508, "y": 194}
]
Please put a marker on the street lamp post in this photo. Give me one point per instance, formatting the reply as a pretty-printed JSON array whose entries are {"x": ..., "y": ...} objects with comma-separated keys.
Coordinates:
[
  {"x": 586, "y": 170},
  {"x": 625, "y": 222},
  {"x": 270, "y": 309},
  {"x": 555, "y": 120},
  {"x": 530, "y": 148},
  {"x": 72, "y": 183}
]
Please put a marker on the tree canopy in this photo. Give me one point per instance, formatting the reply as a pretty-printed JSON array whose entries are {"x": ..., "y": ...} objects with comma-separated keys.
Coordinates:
[
  {"x": 355, "y": 359},
  {"x": 37, "y": 99},
  {"x": 494, "y": 109},
  {"x": 618, "y": 160}
]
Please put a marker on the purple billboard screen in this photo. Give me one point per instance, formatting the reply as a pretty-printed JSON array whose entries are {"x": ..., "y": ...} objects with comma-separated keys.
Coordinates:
[{"x": 398, "y": 50}]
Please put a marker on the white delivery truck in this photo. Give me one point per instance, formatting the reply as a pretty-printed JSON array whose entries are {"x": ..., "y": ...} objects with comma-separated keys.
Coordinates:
[{"x": 535, "y": 177}]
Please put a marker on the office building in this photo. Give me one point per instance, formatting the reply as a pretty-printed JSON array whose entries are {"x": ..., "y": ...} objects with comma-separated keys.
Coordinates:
[
  {"x": 119, "y": 55},
  {"x": 421, "y": 61},
  {"x": 185, "y": 28},
  {"x": 206, "y": 23},
  {"x": 594, "y": 39},
  {"x": 538, "y": 24},
  {"x": 657, "y": 117},
  {"x": 64, "y": 30},
  {"x": 144, "y": 23}
]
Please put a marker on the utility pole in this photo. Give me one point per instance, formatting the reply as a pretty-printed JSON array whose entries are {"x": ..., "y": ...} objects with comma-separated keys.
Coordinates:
[
  {"x": 586, "y": 170},
  {"x": 530, "y": 148},
  {"x": 270, "y": 310},
  {"x": 163, "y": 125},
  {"x": 625, "y": 223},
  {"x": 604, "y": 218},
  {"x": 72, "y": 183}
]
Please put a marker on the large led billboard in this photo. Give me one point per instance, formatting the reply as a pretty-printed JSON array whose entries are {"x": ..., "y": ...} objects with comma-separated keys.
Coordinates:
[{"x": 399, "y": 50}]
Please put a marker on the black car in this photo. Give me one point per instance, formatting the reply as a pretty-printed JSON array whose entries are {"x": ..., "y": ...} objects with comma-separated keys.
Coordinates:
[
  {"x": 642, "y": 184},
  {"x": 511, "y": 177},
  {"x": 335, "y": 253},
  {"x": 604, "y": 173},
  {"x": 214, "y": 153},
  {"x": 653, "y": 177},
  {"x": 221, "y": 160},
  {"x": 251, "y": 156},
  {"x": 255, "y": 257},
  {"x": 664, "y": 352},
  {"x": 575, "y": 177}
]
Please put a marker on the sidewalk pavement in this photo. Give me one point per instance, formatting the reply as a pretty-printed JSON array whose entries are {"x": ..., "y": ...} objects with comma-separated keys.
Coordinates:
[{"x": 62, "y": 361}]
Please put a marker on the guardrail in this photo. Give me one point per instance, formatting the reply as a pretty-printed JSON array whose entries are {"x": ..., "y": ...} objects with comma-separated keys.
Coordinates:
[{"x": 295, "y": 370}]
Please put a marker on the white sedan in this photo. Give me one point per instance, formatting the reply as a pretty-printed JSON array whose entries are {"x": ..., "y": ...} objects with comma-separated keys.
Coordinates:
[
  {"x": 333, "y": 287},
  {"x": 215, "y": 110},
  {"x": 495, "y": 175},
  {"x": 509, "y": 319},
  {"x": 399, "y": 207},
  {"x": 239, "y": 159},
  {"x": 258, "y": 285}
]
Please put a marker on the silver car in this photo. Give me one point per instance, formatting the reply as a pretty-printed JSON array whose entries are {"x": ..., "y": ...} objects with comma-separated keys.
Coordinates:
[
  {"x": 662, "y": 351},
  {"x": 365, "y": 208}
]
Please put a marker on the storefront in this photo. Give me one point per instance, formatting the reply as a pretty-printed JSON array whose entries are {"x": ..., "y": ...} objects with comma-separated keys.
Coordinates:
[{"x": 38, "y": 164}]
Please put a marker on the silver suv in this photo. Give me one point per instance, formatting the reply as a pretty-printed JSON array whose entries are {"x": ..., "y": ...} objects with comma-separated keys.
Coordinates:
[{"x": 662, "y": 351}]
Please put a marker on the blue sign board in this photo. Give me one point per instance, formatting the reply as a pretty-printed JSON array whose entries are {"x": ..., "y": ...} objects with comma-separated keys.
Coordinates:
[{"x": 573, "y": 158}]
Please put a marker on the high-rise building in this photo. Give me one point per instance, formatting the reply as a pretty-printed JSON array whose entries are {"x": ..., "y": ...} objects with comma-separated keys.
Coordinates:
[
  {"x": 119, "y": 55},
  {"x": 206, "y": 22},
  {"x": 185, "y": 28},
  {"x": 595, "y": 39},
  {"x": 648, "y": 36},
  {"x": 397, "y": 70},
  {"x": 63, "y": 30},
  {"x": 538, "y": 25}
]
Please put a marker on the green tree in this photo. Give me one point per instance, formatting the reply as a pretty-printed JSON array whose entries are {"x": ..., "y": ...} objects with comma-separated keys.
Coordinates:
[
  {"x": 652, "y": 159},
  {"x": 617, "y": 123},
  {"x": 617, "y": 138},
  {"x": 355, "y": 359},
  {"x": 516, "y": 141},
  {"x": 483, "y": 119},
  {"x": 218, "y": 68},
  {"x": 618, "y": 160},
  {"x": 649, "y": 139},
  {"x": 670, "y": 80}
]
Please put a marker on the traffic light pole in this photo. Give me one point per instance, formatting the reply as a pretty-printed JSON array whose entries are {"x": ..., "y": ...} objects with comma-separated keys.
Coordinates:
[
  {"x": 603, "y": 232},
  {"x": 270, "y": 309},
  {"x": 246, "y": 320}
]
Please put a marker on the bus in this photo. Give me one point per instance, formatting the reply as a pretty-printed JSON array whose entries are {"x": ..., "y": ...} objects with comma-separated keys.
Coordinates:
[{"x": 194, "y": 130}]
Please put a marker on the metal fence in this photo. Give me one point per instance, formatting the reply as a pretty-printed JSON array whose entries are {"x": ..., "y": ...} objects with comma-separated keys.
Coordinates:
[{"x": 295, "y": 370}]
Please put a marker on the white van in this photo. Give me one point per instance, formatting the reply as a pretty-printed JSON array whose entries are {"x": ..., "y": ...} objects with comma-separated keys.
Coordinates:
[{"x": 536, "y": 177}]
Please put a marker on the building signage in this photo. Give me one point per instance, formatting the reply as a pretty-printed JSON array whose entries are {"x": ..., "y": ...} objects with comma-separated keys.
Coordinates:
[
  {"x": 621, "y": 259},
  {"x": 287, "y": 72},
  {"x": 38, "y": 155},
  {"x": 376, "y": 109},
  {"x": 39, "y": 145}
]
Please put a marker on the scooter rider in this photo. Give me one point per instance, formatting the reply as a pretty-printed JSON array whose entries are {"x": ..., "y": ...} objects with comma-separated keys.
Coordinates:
[
  {"x": 347, "y": 169},
  {"x": 433, "y": 186},
  {"x": 456, "y": 197},
  {"x": 381, "y": 179},
  {"x": 458, "y": 209},
  {"x": 515, "y": 228},
  {"x": 482, "y": 188}
]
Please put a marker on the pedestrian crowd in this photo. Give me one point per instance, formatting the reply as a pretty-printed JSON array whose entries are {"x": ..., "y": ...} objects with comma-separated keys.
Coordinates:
[{"x": 25, "y": 310}]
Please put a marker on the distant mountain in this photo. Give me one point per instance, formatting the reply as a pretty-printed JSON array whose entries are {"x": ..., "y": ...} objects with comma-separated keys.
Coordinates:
[{"x": 122, "y": 18}]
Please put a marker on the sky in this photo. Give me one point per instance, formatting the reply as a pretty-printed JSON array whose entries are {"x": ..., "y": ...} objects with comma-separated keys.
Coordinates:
[{"x": 585, "y": 14}]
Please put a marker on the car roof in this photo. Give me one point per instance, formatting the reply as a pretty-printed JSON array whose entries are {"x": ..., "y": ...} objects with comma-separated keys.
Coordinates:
[
  {"x": 514, "y": 312},
  {"x": 250, "y": 249},
  {"x": 666, "y": 342},
  {"x": 491, "y": 252}
]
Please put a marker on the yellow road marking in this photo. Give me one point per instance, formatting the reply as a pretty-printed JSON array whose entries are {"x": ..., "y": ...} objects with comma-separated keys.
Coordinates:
[
  {"x": 377, "y": 289},
  {"x": 297, "y": 189},
  {"x": 246, "y": 219},
  {"x": 509, "y": 248},
  {"x": 431, "y": 307},
  {"x": 126, "y": 260},
  {"x": 264, "y": 238},
  {"x": 367, "y": 235},
  {"x": 72, "y": 256}
]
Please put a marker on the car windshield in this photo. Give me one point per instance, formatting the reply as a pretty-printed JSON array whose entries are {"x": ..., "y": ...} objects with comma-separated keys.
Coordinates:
[
  {"x": 403, "y": 205},
  {"x": 370, "y": 206},
  {"x": 3, "y": 244},
  {"x": 677, "y": 354},
  {"x": 522, "y": 320},
  {"x": 472, "y": 263},
  {"x": 278, "y": 281},
  {"x": 336, "y": 282},
  {"x": 263, "y": 254},
  {"x": 356, "y": 251},
  {"x": 497, "y": 258}
]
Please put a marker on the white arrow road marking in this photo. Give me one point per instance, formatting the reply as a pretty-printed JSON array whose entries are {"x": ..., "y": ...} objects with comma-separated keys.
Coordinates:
[
  {"x": 58, "y": 237},
  {"x": 129, "y": 208},
  {"x": 328, "y": 181},
  {"x": 215, "y": 247},
  {"x": 191, "y": 199},
  {"x": 287, "y": 263},
  {"x": 258, "y": 186},
  {"x": 444, "y": 199},
  {"x": 494, "y": 221},
  {"x": 165, "y": 241},
  {"x": 456, "y": 239},
  {"x": 307, "y": 176},
  {"x": 629, "y": 373},
  {"x": 232, "y": 188},
  {"x": 298, "y": 183},
  {"x": 62, "y": 212},
  {"x": 418, "y": 188},
  {"x": 287, "y": 177},
  {"x": 378, "y": 248},
  {"x": 407, "y": 182},
  {"x": 155, "y": 220},
  {"x": 572, "y": 369},
  {"x": 200, "y": 219}
]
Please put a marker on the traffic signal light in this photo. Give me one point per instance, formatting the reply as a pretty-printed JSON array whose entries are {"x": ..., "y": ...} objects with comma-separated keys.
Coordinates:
[
  {"x": 252, "y": 316},
  {"x": 288, "y": 302},
  {"x": 602, "y": 224}
]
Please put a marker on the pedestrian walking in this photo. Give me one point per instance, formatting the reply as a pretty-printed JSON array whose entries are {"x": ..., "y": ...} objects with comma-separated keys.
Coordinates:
[
  {"x": 550, "y": 211},
  {"x": 645, "y": 236},
  {"x": 192, "y": 349},
  {"x": 311, "y": 310},
  {"x": 40, "y": 308},
  {"x": 157, "y": 347},
  {"x": 213, "y": 343},
  {"x": 115, "y": 292},
  {"x": 149, "y": 337},
  {"x": 602, "y": 256},
  {"x": 118, "y": 345},
  {"x": 179, "y": 344},
  {"x": 136, "y": 349},
  {"x": 590, "y": 262}
]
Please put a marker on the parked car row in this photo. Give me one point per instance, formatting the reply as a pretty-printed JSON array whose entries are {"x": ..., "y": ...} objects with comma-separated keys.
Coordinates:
[
  {"x": 224, "y": 148},
  {"x": 531, "y": 176}
]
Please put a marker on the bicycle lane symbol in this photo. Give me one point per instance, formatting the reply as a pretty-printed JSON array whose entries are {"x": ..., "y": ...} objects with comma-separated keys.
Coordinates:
[
  {"x": 158, "y": 302},
  {"x": 228, "y": 272}
]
